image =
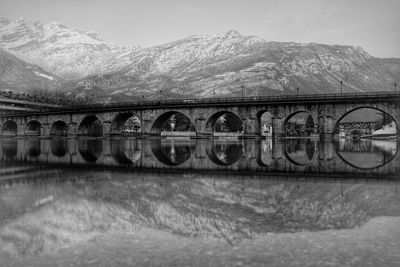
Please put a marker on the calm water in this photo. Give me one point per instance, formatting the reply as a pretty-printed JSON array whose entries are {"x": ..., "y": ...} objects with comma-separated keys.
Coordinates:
[{"x": 159, "y": 202}]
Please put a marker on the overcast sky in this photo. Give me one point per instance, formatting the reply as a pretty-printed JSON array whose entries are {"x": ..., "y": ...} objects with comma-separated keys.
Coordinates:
[{"x": 371, "y": 24}]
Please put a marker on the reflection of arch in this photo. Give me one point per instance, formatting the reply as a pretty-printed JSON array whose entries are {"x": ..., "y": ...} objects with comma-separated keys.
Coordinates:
[
  {"x": 33, "y": 128},
  {"x": 265, "y": 157},
  {"x": 33, "y": 148},
  {"x": 310, "y": 125},
  {"x": 59, "y": 147},
  {"x": 59, "y": 128},
  {"x": 9, "y": 128},
  {"x": 295, "y": 129},
  {"x": 225, "y": 154},
  {"x": 159, "y": 123},
  {"x": 118, "y": 123},
  {"x": 357, "y": 156},
  {"x": 172, "y": 152},
  {"x": 90, "y": 150},
  {"x": 265, "y": 123},
  {"x": 91, "y": 126},
  {"x": 233, "y": 123},
  {"x": 10, "y": 148},
  {"x": 125, "y": 152},
  {"x": 336, "y": 125},
  {"x": 300, "y": 151}
]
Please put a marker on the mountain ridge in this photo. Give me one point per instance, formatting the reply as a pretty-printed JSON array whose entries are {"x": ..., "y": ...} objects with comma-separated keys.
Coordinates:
[{"x": 198, "y": 66}]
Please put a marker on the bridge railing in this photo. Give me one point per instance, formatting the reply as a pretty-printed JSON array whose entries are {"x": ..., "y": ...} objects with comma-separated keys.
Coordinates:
[
  {"x": 193, "y": 101},
  {"x": 205, "y": 101}
]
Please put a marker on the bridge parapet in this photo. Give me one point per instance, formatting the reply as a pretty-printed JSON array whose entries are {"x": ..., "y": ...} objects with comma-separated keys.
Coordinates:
[{"x": 326, "y": 112}]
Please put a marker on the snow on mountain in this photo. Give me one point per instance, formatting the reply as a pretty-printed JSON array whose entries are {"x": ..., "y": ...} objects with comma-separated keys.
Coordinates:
[
  {"x": 67, "y": 52},
  {"x": 20, "y": 76},
  {"x": 196, "y": 66},
  {"x": 220, "y": 65}
]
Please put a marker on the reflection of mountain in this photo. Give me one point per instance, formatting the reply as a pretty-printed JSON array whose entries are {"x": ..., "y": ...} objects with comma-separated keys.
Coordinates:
[{"x": 200, "y": 208}]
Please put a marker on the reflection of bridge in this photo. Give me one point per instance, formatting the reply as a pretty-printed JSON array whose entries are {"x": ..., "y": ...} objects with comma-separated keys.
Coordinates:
[
  {"x": 247, "y": 116},
  {"x": 298, "y": 158}
]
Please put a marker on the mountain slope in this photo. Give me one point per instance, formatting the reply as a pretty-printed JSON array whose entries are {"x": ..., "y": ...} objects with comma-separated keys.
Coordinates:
[
  {"x": 67, "y": 52},
  {"x": 204, "y": 66},
  {"x": 15, "y": 74},
  {"x": 198, "y": 66}
]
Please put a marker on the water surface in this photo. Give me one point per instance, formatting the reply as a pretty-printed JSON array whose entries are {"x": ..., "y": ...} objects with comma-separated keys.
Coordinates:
[{"x": 119, "y": 202}]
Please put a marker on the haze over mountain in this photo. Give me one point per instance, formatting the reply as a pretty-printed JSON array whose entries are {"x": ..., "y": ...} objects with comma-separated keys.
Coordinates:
[{"x": 197, "y": 66}]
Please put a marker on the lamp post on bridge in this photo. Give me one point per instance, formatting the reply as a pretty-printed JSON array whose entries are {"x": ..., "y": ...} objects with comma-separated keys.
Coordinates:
[
  {"x": 297, "y": 91},
  {"x": 395, "y": 86},
  {"x": 242, "y": 92},
  {"x": 341, "y": 87}
]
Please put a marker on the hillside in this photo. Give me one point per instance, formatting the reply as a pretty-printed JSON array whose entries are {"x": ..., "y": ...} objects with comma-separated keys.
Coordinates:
[
  {"x": 208, "y": 66},
  {"x": 17, "y": 75},
  {"x": 196, "y": 66}
]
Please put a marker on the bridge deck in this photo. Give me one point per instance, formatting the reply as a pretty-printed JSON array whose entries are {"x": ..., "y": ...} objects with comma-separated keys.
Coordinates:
[{"x": 215, "y": 102}]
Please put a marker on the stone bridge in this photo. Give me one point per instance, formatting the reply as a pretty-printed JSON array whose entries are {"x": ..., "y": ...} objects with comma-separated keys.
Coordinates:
[{"x": 250, "y": 116}]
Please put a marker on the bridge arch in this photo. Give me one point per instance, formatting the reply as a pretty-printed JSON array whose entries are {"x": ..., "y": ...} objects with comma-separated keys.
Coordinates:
[
  {"x": 172, "y": 121},
  {"x": 9, "y": 149},
  {"x": 33, "y": 128},
  {"x": 300, "y": 152},
  {"x": 90, "y": 150},
  {"x": 9, "y": 128},
  {"x": 59, "y": 128},
  {"x": 393, "y": 117},
  {"x": 300, "y": 123},
  {"x": 224, "y": 121},
  {"x": 125, "y": 151},
  {"x": 33, "y": 147},
  {"x": 59, "y": 147},
  {"x": 172, "y": 152},
  {"x": 225, "y": 154},
  {"x": 91, "y": 125},
  {"x": 119, "y": 121},
  {"x": 377, "y": 153}
]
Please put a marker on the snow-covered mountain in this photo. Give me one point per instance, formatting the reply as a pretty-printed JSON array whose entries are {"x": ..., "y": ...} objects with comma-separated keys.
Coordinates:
[
  {"x": 207, "y": 66},
  {"x": 17, "y": 75},
  {"x": 69, "y": 53},
  {"x": 197, "y": 66}
]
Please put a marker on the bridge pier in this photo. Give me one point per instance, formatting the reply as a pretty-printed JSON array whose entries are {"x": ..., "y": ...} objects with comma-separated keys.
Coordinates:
[
  {"x": 72, "y": 128},
  {"x": 21, "y": 129},
  {"x": 45, "y": 129},
  {"x": 106, "y": 128},
  {"x": 250, "y": 127},
  {"x": 277, "y": 128},
  {"x": 326, "y": 127}
]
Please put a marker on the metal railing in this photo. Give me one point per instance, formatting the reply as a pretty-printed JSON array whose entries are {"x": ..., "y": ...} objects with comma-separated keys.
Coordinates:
[{"x": 218, "y": 102}]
